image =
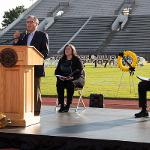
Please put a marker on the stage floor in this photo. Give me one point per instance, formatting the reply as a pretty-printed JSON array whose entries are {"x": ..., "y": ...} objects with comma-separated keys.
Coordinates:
[{"x": 93, "y": 123}]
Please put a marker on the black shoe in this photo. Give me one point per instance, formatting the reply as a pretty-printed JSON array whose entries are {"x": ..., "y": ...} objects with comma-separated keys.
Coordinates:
[
  {"x": 36, "y": 113},
  {"x": 142, "y": 114},
  {"x": 66, "y": 109},
  {"x": 62, "y": 109}
]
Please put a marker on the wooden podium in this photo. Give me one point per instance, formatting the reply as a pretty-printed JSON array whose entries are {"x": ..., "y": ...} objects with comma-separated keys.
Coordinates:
[{"x": 17, "y": 86}]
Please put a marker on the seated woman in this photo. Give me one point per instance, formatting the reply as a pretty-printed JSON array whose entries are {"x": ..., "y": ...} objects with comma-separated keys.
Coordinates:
[{"x": 68, "y": 70}]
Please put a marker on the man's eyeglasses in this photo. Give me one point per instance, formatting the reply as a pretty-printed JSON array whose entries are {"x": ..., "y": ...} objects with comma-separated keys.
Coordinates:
[{"x": 30, "y": 21}]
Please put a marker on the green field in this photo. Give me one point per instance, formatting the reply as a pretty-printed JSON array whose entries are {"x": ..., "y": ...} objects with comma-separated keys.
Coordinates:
[{"x": 102, "y": 80}]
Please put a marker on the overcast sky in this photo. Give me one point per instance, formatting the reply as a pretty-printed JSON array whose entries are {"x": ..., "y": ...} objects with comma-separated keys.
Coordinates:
[{"x": 8, "y": 4}]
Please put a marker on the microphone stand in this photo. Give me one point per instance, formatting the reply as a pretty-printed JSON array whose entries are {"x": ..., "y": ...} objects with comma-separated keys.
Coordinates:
[{"x": 7, "y": 41}]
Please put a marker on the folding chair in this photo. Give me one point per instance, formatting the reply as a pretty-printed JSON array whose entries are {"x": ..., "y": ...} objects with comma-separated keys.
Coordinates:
[{"x": 80, "y": 99}]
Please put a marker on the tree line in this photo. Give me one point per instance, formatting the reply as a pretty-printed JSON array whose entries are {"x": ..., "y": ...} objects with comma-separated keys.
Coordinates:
[{"x": 11, "y": 15}]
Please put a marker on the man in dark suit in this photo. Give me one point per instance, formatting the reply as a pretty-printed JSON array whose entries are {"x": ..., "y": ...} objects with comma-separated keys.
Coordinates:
[
  {"x": 143, "y": 87},
  {"x": 39, "y": 40}
]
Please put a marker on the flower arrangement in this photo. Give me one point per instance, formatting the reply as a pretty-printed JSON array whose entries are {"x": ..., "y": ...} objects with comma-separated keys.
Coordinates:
[{"x": 127, "y": 61}]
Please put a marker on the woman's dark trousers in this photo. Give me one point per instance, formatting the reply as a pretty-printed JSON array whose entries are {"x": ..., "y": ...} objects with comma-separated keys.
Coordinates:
[{"x": 61, "y": 86}]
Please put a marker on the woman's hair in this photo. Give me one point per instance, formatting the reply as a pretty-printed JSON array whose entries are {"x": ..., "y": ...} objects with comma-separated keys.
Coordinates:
[{"x": 74, "y": 52}]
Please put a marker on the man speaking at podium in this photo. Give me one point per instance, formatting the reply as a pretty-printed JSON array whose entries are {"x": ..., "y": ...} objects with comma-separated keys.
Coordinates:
[{"x": 39, "y": 40}]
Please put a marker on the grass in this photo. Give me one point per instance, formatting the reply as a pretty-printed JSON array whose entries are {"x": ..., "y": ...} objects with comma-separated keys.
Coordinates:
[{"x": 102, "y": 80}]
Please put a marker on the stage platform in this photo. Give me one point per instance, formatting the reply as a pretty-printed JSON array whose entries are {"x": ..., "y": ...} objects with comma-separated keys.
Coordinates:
[{"x": 93, "y": 129}]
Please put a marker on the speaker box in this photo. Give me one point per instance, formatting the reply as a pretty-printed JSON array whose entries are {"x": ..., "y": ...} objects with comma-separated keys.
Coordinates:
[{"x": 96, "y": 100}]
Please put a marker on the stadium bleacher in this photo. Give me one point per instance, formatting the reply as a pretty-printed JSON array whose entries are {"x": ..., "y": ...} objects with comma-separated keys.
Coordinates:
[
  {"x": 44, "y": 8},
  {"x": 93, "y": 35},
  {"x": 142, "y": 7},
  {"x": 134, "y": 37},
  {"x": 62, "y": 30},
  {"x": 92, "y": 8}
]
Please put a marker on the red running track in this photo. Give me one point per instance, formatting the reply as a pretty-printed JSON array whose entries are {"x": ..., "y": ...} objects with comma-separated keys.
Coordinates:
[{"x": 108, "y": 103}]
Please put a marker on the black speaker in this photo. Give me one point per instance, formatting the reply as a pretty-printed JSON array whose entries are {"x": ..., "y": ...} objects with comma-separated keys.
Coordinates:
[{"x": 96, "y": 100}]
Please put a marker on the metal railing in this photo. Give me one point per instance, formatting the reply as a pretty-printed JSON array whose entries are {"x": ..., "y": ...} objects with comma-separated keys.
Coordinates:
[{"x": 74, "y": 36}]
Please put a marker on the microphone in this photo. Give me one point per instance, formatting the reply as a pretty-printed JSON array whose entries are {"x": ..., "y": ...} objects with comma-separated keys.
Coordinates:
[
  {"x": 22, "y": 36},
  {"x": 8, "y": 40}
]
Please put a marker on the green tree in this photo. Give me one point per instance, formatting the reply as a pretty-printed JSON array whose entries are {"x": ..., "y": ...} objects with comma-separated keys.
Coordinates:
[{"x": 11, "y": 15}]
